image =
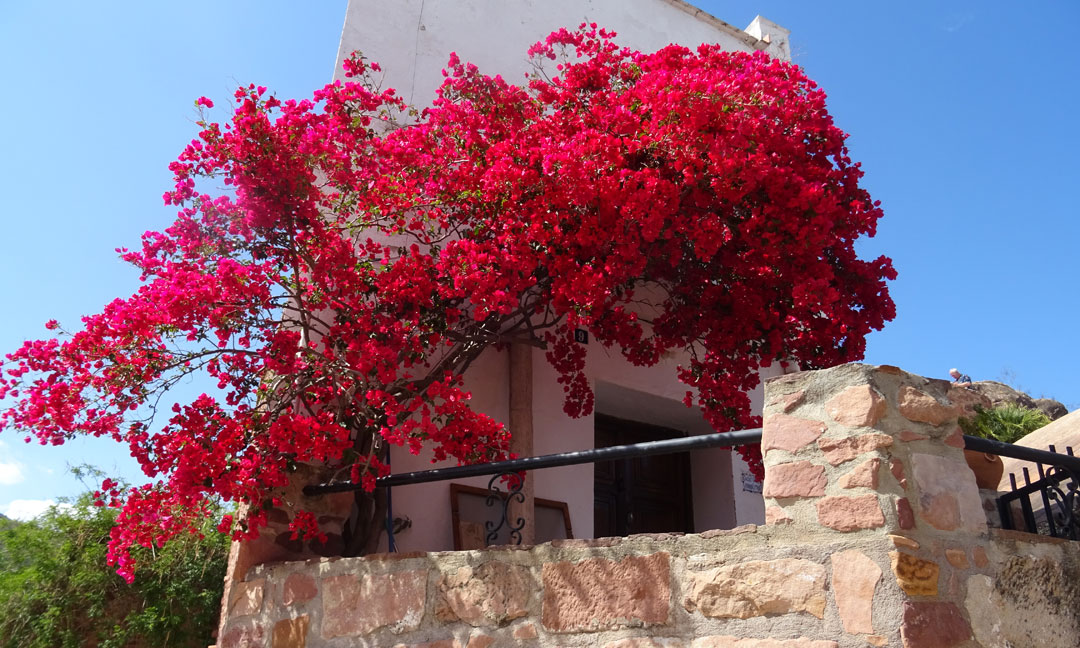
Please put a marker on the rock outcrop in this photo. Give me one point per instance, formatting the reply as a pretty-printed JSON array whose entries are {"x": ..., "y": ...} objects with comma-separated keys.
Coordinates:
[
  {"x": 1052, "y": 408},
  {"x": 1001, "y": 394}
]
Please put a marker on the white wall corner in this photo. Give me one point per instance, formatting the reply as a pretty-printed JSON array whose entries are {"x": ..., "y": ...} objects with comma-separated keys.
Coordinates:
[{"x": 771, "y": 37}]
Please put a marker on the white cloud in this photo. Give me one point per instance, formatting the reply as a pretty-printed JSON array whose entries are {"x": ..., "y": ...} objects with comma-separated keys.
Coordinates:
[
  {"x": 11, "y": 473},
  {"x": 28, "y": 509},
  {"x": 956, "y": 22}
]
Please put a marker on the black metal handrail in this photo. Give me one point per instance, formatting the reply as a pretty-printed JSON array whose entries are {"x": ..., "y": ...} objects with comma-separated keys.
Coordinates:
[
  {"x": 647, "y": 449},
  {"x": 1033, "y": 455},
  {"x": 1065, "y": 498},
  {"x": 650, "y": 448},
  {"x": 1057, "y": 489}
]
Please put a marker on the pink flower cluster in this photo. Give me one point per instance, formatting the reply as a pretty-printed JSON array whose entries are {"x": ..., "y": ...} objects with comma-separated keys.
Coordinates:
[{"x": 693, "y": 200}]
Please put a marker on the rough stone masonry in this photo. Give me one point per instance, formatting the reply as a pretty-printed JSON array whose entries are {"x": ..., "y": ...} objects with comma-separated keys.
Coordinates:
[{"x": 876, "y": 536}]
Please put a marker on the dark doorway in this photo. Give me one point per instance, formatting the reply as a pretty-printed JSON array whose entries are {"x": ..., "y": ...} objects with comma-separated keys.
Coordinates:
[{"x": 641, "y": 495}]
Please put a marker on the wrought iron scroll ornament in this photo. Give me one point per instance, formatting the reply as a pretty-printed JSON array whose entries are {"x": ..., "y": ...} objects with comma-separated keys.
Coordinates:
[
  {"x": 514, "y": 484},
  {"x": 1062, "y": 489}
]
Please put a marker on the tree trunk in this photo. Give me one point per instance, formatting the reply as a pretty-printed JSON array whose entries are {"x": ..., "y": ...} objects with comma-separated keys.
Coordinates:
[
  {"x": 366, "y": 524},
  {"x": 368, "y": 519}
]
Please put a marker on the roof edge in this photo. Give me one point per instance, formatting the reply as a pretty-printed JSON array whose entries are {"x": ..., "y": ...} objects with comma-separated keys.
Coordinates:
[{"x": 707, "y": 17}]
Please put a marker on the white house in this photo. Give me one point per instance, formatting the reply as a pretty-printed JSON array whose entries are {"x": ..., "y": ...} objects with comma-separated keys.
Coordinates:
[{"x": 412, "y": 41}]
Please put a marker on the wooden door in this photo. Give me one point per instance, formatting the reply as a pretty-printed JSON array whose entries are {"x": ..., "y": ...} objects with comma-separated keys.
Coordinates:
[{"x": 644, "y": 494}]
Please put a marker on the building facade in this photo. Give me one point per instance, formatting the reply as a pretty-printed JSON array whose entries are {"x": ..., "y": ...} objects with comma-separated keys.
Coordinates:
[{"x": 412, "y": 41}]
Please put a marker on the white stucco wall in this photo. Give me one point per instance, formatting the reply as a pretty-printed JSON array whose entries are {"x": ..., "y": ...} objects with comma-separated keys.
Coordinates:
[
  {"x": 412, "y": 40},
  {"x": 428, "y": 505}
]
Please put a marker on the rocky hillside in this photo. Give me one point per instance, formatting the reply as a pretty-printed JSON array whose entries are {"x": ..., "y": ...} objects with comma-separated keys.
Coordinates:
[{"x": 996, "y": 394}]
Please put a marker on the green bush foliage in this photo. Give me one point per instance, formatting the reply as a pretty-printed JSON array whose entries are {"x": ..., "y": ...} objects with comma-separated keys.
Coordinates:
[
  {"x": 56, "y": 589},
  {"x": 1008, "y": 423}
]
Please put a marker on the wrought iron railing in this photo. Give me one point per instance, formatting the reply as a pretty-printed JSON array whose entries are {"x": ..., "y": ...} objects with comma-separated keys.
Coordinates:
[
  {"x": 507, "y": 471},
  {"x": 1057, "y": 490}
]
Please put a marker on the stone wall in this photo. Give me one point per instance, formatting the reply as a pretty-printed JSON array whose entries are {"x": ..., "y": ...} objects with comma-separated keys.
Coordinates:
[
  {"x": 876, "y": 537},
  {"x": 860, "y": 449}
]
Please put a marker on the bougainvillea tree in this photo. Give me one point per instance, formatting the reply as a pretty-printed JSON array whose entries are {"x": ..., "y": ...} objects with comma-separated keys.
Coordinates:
[{"x": 362, "y": 254}]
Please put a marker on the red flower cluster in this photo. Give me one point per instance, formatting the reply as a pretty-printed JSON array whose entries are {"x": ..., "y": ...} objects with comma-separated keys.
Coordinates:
[{"x": 364, "y": 255}]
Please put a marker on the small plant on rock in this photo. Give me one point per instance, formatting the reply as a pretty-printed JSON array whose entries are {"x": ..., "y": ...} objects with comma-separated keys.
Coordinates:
[{"x": 1007, "y": 423}]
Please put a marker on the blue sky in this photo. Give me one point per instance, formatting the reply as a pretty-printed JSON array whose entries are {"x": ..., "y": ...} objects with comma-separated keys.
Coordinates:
[{"x": 961, "y": 117}]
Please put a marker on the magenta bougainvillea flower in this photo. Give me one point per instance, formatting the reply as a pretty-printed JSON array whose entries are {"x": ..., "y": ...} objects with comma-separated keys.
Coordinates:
[{"x": 362, "y": 255}]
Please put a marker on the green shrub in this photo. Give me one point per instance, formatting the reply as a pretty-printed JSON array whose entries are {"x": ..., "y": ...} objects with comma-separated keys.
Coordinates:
[
  {"x": 56, "y": 589},
  {"x": 1008, "y": 423}
]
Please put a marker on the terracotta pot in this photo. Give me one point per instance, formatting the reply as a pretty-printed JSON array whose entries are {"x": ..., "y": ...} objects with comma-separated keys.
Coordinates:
[{"x": 987, "y": 467}]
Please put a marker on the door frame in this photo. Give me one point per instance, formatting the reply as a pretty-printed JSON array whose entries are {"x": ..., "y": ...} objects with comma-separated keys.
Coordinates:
[{"x": 653, "y": 432}]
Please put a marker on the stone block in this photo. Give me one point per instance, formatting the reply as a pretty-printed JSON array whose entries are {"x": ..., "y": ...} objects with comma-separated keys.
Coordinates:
[
  {"x": 796, "y": 479},
  {"x": 850, "y": 513},
  {"x": 783, "y": 432},
  {"x": 298, "y": 588},
  {"x": 933, "y": 624},
  {"x": 725, "y": 641},
  {"x": 916, "y": 405},
  {"x": 788, "y": 402},
  {"x": 757, "y": 588},
  {"x": 908, "y": 435},
  {"x": 905, "y": 516},
  {"x": 645, "y": 642},
  {"x": 915, "y": 576},
  {"x": 903, "y": 542},
  {"x": 493, "y": 593},
  {"x": 948, "y": 496},
  {"x": 601, "y": 594},
  {"x": 857, "y": 406},
  {"x": 955, "y": 439},
  {"x": 1032, "y": 600},
  {"x": 979, "y": 555},
  {"x": 957, "y": 558},
  {"x": 855, "y": 576},
  {"x": 290, "y": 633},
  {"x": 1035, "y": 614},
  {"x": 723, "y": 533},
  {"x": 480, "y": 641},
  {"x": 355, "y": 604},
  {"x": 953, "y": 588},
  {"x": 585, "y": 543},
  {"x": 896, "y": 467},
  {"x": 984, "y": 614},
  {"x": 837, "y": 451},
  {"x": 865, "y": 475},
  {"x": 244, "y": 636},
  {"x": 776, "y": 515},
  {"x": 526, "y": 631},
  {"x": 941, "y": 511},
  {"x": 247, "y": 597},
  {"x": 438, "y": 643}
]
